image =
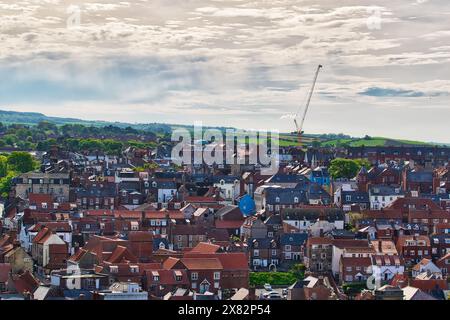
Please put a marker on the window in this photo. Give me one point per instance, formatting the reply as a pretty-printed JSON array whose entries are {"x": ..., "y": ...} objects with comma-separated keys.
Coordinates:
[
  {"x": 216, "y": 275},
  {"x": 270, "y": 234},
  {"x": 194, "y": 276},
  {"x": 114, "y": 269},
  {"x": 287, "y": 247},
  {"x": 348, "y": 198},
  {"x": 348, "y": 269},
  {"x": 274, "y": 252},
  {"x": 256, "y": 253},
  {"x": 277, "y": 199},
  {"x": 134, "y": 269}
]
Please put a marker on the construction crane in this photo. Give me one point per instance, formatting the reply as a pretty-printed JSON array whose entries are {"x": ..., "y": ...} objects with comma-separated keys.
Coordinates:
[{"x": 300, "y": 127}]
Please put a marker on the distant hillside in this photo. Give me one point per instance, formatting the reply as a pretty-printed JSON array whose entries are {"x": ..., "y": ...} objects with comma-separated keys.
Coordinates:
[
  {"x": 286, "y": 139},
  {"x": 33, "y": 118},
  {"x": 373, "y": 141}
]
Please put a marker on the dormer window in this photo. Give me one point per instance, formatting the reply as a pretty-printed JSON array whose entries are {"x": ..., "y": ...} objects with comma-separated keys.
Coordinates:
[
  {"x": 222, "y": 182},
  {"x": 277, "y": 199},
  {"x": 295, "y": 199},
  {"x": 134, "y": 269}
]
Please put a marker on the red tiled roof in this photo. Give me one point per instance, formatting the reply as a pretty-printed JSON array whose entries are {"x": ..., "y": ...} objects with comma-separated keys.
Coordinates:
[
  {"x": 350, "y": 243},
  {"x": 99, "y": 213},
  {"x": 5, "y": 269},
  {"x": 319, "y": 240},
  {"x": 38, "y": 198},
  {"x": 25, "y": 282},
  {"x": 176, "y": 215},
  {"x": 194, "y": 199},
  {"x": 233, "y": 260},
  {"x": 402, "y": 203},
  {"x": 124, "y": 214},
  {"x": 400, "y": 280},
  {"x": 78, "y": 255},
  {"x": 189, "y": 229},
  {"x": 121, "y": 254},
  {"x": 167, "y": 277},
  {"x": 202, "y": 263},
  {"x": 401, "y": 241},
  {"x": 350, "y": 261},
  {"x": 228, "y": 224},
  {"x": 429, "y": 214},
  {"x": 42, "y": 236},
  {"x": 139, "y": 236},
  {"x": 154, "y": 215},
  {"x": 170, "y": 262},
  {"x": 204, "y": 247},
  {"x": 53, "y": 226},
  {"x": 58, "y": 249}
]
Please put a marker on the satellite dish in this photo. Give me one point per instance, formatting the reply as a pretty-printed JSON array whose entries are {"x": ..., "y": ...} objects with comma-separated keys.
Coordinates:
[{"x": 247, "y": 206}]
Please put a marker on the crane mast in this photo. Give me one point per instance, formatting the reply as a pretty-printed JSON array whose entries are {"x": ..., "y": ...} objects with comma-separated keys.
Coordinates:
[{"x": 300, "y": 127}]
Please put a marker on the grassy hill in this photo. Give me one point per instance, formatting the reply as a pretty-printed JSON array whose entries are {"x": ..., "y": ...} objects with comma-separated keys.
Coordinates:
[
  {"x": 286, "y": 139},
  {"x": 373, "y": 141}
]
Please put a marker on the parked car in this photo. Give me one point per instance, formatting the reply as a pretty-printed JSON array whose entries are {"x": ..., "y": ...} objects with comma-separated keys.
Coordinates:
[
  {"x": 272, "y": 296},
  {"x": 268, "y": 287}
]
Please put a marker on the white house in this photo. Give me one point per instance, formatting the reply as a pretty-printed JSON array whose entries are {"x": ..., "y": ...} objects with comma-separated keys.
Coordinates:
[
  {"x": 381, "y": 196},
  {"x": 229, "y": 187},
  {"x": 124, "y": 291},
  {"x": 167, "y": 190},
  {"x": 425, "y": 265},
  {"x": 385, "y": 267},
  {"x": 349, "y": 249}
]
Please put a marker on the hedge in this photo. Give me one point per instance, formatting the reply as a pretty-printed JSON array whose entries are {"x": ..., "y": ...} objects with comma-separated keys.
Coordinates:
[{"x": 273, "y": 278}]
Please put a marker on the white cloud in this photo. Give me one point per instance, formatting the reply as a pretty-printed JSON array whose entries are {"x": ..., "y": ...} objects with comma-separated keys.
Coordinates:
[{"x": 234, "y": 62}]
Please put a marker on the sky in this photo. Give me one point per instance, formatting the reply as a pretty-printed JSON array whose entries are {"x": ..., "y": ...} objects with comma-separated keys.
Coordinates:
[{"x": 245, "y": 64}]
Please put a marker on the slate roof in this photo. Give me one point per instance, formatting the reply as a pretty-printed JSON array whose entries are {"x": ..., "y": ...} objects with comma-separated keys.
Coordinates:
[
  {"x": 286, "y": 178},
  {"x": 263, "y": 243},
  {"x": 227, "y": 179},
  {"x": 384, "y": 190},
  {"x": 355, "y": 197},
  {"x": 420, "y": 176},
  {"x": 329, "y": 214},
  {"x": 293, "y": 239},
  {"x": 286, "y": 196}
]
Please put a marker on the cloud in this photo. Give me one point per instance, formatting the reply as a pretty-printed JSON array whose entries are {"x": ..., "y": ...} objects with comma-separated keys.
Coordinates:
[{"x": 231, "y": 62}]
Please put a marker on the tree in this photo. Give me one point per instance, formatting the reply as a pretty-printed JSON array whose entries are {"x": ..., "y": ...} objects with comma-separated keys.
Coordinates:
[
  {"x": 21, "y": 161},
  {"x": 343, "y": 168},
  {"x": 5, "y": 184},
  {"x": 3, "y": 166},
  {"x": 298, "y": 270},
  {"x": 363, "y": 163}
]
